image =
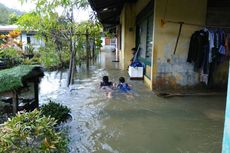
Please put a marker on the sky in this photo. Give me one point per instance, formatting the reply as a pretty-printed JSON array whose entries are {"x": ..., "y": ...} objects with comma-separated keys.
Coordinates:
[{"x": 81, "y": 15}]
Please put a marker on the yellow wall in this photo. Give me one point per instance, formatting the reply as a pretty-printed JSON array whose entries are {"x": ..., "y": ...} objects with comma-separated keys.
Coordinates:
[
  {"x": 128, "y": 36},
  {"x": 169, "y": 70},
  {"x": 128, "y": 19}
]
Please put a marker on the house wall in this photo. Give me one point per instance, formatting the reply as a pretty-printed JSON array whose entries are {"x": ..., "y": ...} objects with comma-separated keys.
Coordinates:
[
  {"x": 127, "y": 20},
  {"x": 128, "y": 28},
  {"x": 168, "y": 70},
  {"x": 128, "y": 33},
  {"x": 36, "y": 43},
  {"x": 171, "y": 70},
  {"x": 107, "y": 41}
]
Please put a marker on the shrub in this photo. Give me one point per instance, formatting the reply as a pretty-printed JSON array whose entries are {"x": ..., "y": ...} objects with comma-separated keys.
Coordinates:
[
  {"x": 59, "y": 112},
  {"x": 51, "y": 59},
  {"x": 32, "y": 61},
  {"x": 29, "y": 49},
  {"x": 10, "y": 56},
  {"x": 29, "y": 132},
  {"x": 10, "y": 52}
]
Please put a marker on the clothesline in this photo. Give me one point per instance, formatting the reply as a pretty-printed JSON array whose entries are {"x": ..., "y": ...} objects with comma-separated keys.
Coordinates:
[
  {"x": 181, "y": 23},
  {"x": 198, "y": 25}
]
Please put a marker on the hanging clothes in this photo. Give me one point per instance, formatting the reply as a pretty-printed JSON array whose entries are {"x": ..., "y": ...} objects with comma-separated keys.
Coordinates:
[
  {"x": 207, "y": 49},
  {"x": 211, "y": 36},
  {"x": 199, "y": 44},
  {"x": 227, "y": 44}
]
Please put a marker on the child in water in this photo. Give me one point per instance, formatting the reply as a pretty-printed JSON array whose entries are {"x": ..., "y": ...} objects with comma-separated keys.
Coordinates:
[
  {"x": 105, "y": 82},
  {"x": 106, "y": 86},
  {"x": 122, "y": 86}
]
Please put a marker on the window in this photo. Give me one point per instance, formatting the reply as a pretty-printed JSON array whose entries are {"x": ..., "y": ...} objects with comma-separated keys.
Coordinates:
[
  {"x": 149, "y": 39},
  {"x": 144, "y": 36},
  {"x": 28, "y": 40}
]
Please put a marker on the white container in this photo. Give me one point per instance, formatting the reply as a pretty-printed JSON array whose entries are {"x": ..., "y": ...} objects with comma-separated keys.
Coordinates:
[{"x": 136, "y": 72}]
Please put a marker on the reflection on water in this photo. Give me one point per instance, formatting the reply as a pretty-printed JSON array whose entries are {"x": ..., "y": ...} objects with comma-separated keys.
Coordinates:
[{"x": 142, "y": 123}]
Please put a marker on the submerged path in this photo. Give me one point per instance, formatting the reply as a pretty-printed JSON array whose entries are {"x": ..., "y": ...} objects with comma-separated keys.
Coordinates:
[{"x": 143, "y": 123}]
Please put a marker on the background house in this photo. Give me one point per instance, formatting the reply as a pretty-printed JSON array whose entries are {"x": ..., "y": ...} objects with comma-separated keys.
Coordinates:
[{"x": 27, "y": 38}]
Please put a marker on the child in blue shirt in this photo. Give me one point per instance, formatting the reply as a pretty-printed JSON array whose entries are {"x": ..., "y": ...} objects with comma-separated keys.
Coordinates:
[{"x": 122, "y": 86}]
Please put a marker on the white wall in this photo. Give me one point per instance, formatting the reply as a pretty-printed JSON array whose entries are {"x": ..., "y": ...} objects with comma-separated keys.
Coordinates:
[{"x": 36, "y": 43}]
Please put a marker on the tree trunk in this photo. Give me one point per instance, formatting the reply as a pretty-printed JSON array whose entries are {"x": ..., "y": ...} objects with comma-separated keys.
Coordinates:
[
  {"x": 87, "y": 48},
  {"x": 93, "y": 47},
  {"x": 73, "y": 63},
  {"x": 70, "y": 64},
  {"x": 70, "y": 79},
  {"x": 60, "y": 58}
]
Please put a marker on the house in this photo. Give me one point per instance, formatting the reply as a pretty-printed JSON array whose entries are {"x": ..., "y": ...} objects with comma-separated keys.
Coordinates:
[
  {"x": 27, "y": 38},
  {"x": 162, "y": 29}
]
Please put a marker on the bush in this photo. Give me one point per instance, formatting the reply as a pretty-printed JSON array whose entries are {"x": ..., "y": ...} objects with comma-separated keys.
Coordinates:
[
  {"x": 10, "y": 52},
  {"x": 32, "y": 61},
  {"x": 59, "y": 112},
  {"x": 51, "y": 59},
  {"x": 10, "y": 56},
  {"x": 29, "y": 132}
]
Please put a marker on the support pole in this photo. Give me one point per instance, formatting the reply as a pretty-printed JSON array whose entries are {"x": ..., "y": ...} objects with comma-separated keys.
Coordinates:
[
  {"x": 15, "y": 102},
  {"x": 36, "y": 91}
]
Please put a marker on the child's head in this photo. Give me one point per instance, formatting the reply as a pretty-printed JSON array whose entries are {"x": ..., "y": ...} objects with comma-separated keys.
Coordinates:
[
  {"x": 105, "y": 79},
  {"x": 134, "y": 50},
  {"x": 122, "y": 80}
]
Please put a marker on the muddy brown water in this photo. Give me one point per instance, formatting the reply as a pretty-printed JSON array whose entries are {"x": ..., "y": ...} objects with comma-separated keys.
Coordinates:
[{"x": 138, "y": 123}]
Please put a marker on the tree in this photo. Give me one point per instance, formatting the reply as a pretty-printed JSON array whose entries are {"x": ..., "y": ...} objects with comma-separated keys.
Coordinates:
[
  {"x": 44, "y": 19},
  {"x": 13, "y": 18},
  {"x": 5, "y": 14},
  {"x": 90, "y": 33}
]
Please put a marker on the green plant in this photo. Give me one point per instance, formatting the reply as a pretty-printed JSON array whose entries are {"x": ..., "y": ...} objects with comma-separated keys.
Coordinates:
[
  {"x": 31, "y": 132},
  {"x": 10, "y": 56},
  {"x": 10, "y": 52},
  {"x": 32, "y": 61},
  {"x": 29, "y": 49},
  {"x": 51, "y": 59},
  {"x": 26, "y": 61},
  {"x": 59, "y": 112}
]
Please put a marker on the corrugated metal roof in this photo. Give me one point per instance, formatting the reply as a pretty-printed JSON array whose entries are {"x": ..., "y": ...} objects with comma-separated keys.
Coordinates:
[
  {"x": 108, "y": 11},
  {"x": 8, "y": 27}
]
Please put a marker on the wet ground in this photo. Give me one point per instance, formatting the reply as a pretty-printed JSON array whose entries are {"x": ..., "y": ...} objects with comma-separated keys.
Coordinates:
[{"x": 138, "y": 123}]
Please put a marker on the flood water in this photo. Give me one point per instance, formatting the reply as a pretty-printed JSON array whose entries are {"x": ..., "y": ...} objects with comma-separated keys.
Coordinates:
[{"x": 138, "y": 123}]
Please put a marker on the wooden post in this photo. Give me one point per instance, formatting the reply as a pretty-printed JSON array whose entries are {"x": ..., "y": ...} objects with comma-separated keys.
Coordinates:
[
  {"x": 36, "y": 91},
  {"x": 15, "y": 102}
]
